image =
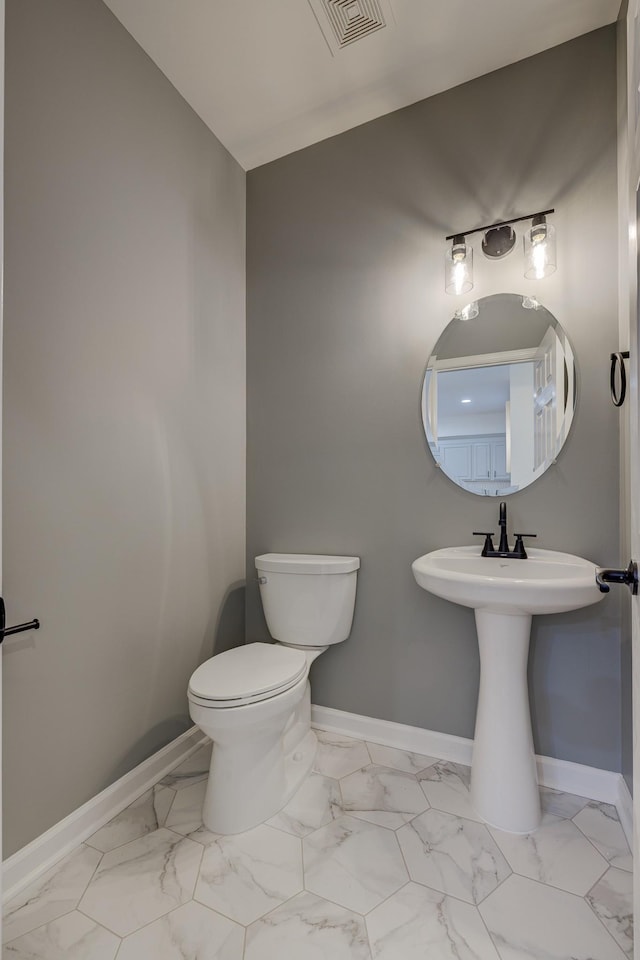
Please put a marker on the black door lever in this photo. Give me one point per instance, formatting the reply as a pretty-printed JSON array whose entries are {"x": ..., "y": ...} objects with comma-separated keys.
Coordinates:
[
  {"x": 19, "y": 627},
  {"x": 629, "y": 576}
]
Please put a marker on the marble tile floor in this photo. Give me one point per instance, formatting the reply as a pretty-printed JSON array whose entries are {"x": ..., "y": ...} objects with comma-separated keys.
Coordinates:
[{"x": 379, "y": 856}]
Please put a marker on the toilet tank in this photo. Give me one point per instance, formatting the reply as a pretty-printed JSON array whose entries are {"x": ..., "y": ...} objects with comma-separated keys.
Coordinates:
[{"x": 308, "y": 599}]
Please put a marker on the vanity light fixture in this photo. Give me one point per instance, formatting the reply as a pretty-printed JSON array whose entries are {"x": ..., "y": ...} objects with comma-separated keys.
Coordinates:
[
  {"x": 499, "y": 240},
  {"x": 539, "y": 248},
  {"x": 458, "y": 266}
]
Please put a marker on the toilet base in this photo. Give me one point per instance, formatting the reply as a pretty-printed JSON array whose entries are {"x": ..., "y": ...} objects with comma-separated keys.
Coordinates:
[
  {"x": 219, "y": 817},
  {"x": 297, "y": 766},
  {"x": 253, "y": 776}
]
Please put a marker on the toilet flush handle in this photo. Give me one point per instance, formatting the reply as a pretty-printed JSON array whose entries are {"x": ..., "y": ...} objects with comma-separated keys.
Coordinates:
[{"x": 261, "y": 579}]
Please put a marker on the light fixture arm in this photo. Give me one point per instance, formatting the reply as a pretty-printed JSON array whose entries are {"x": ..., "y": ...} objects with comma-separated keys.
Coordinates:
[{"x": 502, "y": 223}]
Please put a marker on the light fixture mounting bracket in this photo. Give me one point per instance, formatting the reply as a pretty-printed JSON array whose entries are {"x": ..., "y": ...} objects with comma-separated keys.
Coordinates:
[
  {"x": 501, "y": 223},
  {"x": 498, "y": 242}
]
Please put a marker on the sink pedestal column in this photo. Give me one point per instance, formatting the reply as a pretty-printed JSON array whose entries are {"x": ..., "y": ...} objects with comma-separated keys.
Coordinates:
[{"x": 504, "y": 782}]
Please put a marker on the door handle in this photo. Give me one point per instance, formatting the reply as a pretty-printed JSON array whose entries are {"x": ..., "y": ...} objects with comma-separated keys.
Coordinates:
[
  {"x": 618, "y": 395},
  {"x": 19, "y": 627},
  {"x": 629, "y": 576}
]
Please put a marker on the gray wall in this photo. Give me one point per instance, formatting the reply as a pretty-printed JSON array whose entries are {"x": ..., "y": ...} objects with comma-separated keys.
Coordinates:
[
  {"x": 124, "y": 430},
  {"x": 345, "y": 302}
]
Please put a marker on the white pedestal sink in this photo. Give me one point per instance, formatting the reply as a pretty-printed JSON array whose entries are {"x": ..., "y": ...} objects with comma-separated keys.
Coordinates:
[{"x": 505, "y": 593}]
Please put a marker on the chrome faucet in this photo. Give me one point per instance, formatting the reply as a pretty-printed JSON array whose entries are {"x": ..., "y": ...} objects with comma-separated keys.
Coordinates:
[{"x": 488, "y": 550}]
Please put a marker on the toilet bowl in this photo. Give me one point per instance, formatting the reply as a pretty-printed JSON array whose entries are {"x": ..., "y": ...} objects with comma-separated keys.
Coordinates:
[{"x": 254, "y": 701}]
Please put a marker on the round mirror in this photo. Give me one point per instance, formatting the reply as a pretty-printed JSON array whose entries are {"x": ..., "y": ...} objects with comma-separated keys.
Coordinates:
[{"x": 499, "y": 394}]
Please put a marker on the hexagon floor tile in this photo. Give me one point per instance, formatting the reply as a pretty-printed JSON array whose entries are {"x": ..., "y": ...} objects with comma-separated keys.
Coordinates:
[
  {"x": 529, "y": 920},
  {"x": 383, "y": 796},
  {"x": 143, "y": 816},
  {"x": 308, "y": 928},
  {"x": 142, "y": 880},
  {"x": 354, "y": 863},
  {"x": 600, "y": 824},
  {"x": 417, "y": 923},
  {"x": 72, "y": 937},
  {"x": 399, "y": 759},
  {"x": 557, "y": 854},
  {"x": 190, "y": 931},
  {"x": 339, "y": 756},
  {"x": 612, "y": 900},
  {"x": 247, "y": 875},
  {"x": 185, "y": 814},
  {"x": 57, "y": 892},
  {"x": 561, "y": 804},
  {"x": 378, "y": 856},
  {"x": 455, "y": 856},
  {"x": 446, "y": 786}
]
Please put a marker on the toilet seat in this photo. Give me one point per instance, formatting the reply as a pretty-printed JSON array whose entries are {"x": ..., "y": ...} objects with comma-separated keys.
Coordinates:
[{"x": 247, "y": 674}]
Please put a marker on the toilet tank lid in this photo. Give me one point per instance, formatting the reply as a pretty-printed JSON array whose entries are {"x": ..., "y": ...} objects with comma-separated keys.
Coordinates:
[{"x": 305, "y": 563}]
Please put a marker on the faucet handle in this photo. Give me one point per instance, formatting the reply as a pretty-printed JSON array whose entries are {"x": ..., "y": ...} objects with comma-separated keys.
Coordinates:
[
  {"x": 518, "y": 550},
  {"x": 488, "y": 543}
]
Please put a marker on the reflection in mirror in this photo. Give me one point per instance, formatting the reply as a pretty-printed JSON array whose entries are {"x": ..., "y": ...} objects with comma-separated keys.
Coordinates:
[{"x": 499, "y": 394}]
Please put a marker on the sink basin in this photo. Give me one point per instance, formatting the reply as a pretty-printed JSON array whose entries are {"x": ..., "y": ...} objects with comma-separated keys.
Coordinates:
[
  {"x": 505, "y": 594},
  {"x": 547, "y": 582}
]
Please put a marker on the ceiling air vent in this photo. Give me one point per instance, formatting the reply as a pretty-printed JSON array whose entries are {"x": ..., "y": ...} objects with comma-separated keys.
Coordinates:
[{"x": 345, "y": 21}]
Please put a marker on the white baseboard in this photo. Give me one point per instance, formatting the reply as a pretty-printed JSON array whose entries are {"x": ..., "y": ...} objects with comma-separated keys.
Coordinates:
[
  {"x": 602, "y": 785},
  {"x": 624, "y": 806},
  {"x": 25, "y": 866},
  {"x": 429, "y": 743},
  {"x": 29, "y": 863},
  {"x": 591, "y": 782}
]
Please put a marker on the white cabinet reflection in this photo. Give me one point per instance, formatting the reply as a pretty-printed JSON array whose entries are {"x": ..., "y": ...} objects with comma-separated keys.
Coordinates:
[{"x": 499, "y": 395}]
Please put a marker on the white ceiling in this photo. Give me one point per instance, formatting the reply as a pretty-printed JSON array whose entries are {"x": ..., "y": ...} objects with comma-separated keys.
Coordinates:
[
  {"x": 488, "y": 389},
  {"x": 261, "y": 74}
]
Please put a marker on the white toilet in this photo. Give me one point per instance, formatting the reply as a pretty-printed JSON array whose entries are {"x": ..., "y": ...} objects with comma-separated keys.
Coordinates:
[{"x": 255, "y": 702}]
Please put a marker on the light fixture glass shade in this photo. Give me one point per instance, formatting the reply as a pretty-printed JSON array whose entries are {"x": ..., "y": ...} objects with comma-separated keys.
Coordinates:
[
  {"x": 530, "y": 303},
  {"x": 470, "y": 312},
  {"x": 539, "y": 249},
  {"x": 458, "y": 268}
]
